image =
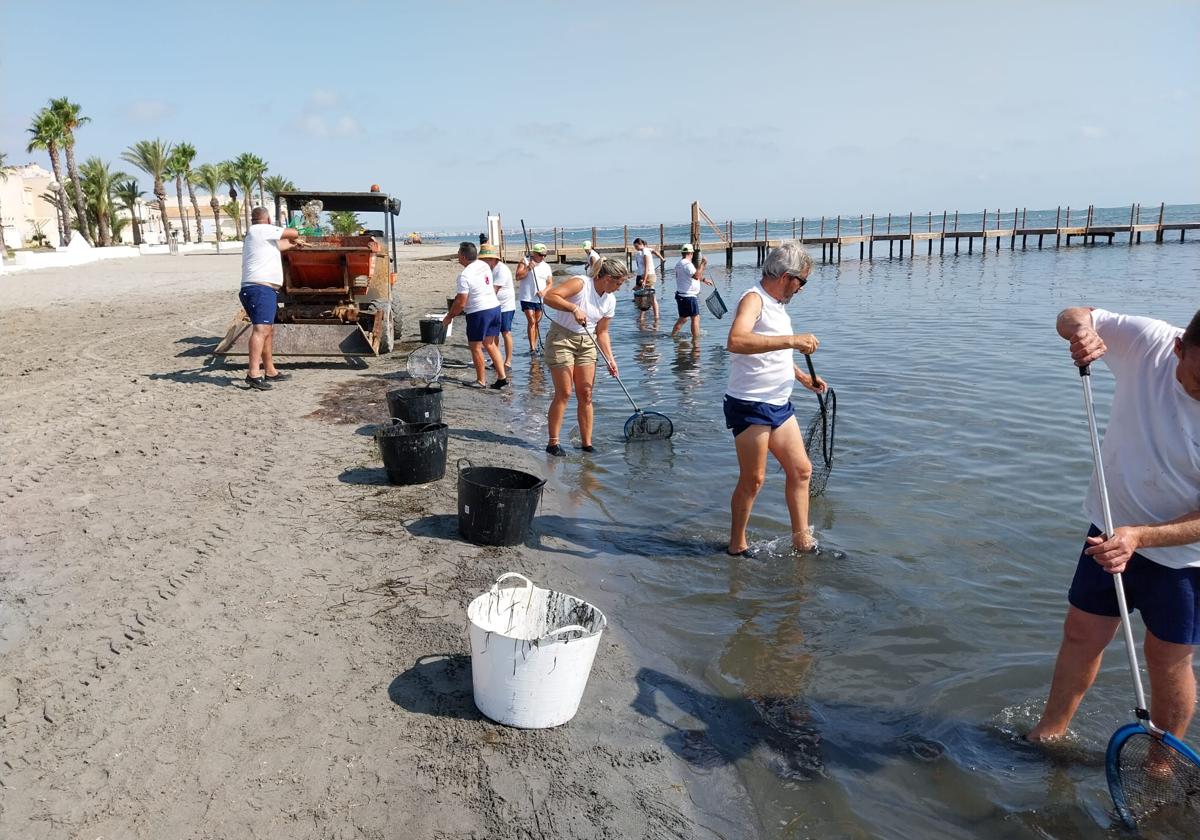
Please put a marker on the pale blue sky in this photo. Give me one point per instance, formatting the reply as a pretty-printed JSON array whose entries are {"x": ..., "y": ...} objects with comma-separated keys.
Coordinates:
[{"x": 606, "y": 113}]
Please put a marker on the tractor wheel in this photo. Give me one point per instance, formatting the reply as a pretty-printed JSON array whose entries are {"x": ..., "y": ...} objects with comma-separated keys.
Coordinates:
[{"x": 387, "y": 337}]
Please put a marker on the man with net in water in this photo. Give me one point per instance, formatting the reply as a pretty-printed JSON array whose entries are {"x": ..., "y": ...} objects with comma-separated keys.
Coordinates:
[
  {"x": 1151, "y": 458},
  {"x": 758, "y": 399}
]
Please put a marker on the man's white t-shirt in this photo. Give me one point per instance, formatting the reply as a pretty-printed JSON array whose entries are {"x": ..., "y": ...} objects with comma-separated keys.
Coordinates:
[
  {"x": 686, "y": 283},
  {"x": 502, "y": 282},
  {"x": 1151, "y": 448},
  {"x": 535, "y": 280},
  {"x": 261, "y": 260},
  {"x": 476, "y": 282},
  {"x": 596, "y": 306}
]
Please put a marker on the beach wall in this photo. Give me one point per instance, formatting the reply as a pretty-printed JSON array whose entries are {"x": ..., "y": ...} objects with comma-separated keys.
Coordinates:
[{"x": 67, "y": 257}]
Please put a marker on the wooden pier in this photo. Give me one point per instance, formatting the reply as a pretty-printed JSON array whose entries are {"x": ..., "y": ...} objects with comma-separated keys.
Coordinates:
[{"x": 835, "y": 234}]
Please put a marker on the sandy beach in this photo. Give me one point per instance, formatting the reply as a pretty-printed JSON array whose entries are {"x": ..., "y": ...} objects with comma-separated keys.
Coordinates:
[{"x": 218, "y": 621}]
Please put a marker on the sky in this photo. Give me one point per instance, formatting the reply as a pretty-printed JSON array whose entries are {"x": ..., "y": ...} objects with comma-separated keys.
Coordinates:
[{"x": 579, "y": 114}]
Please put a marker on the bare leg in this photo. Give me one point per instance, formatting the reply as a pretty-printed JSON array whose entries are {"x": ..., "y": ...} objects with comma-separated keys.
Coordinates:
[
  {"x": 477, "y": 358},
  {"x": 584, "y": 374},
  {"x": 491, "y": 344},
  {"x": 695, "y": 327},
  {"x": 787, "y": 445},
  {"x": 562, "y": 377},
  {"x": 675, "y": 330},
  {"x": 1085, "y": 636},
  {"x": 655, "y": 299},
  {"x": 268, "y": 360},
  {"x": 537, "y": 330},
  {"x": 507, "y": 351},
  {"x": 1172, "y": 684},
  {"x": 258, "y": 342},
  {"x": 751, "y": 447}
]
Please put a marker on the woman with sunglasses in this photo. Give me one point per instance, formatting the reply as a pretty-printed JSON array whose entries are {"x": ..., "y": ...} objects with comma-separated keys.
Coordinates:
[
  {"x": 579, "y": 310},
  {"x": 758, "y": 399}
]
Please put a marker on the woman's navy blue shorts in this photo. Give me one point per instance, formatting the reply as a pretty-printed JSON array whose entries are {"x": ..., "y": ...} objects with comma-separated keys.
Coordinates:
[
  {"x": 742, "y": 414},
  {"x": 483, "y": 323},
  {"x": 506, "y": 320},
  {"x": 531, "y": 306},
  {"x": 260, "y": 302},
  {"x": 1168, "y": 599},
  {"x": 689, "y": 305}
]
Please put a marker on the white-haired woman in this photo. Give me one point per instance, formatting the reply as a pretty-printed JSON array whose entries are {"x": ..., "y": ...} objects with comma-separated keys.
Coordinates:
[
  {"x": 758, "y": 399},
  {"x": 580, "y": 309}
]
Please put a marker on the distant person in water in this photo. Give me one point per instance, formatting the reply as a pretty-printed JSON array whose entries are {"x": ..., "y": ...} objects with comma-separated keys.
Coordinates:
[
  {"x": 579, "y": 306},
  {"x": 688, "y": 278},
  {"x": 476, "y": 298},
  {"x": 593, "y": 257},
  {"x": 644, "y": 274},
  {"x": 502, "y": 282},
  {"x": 1150, "y": 454},
  {"x": 758, "y": 398},
  {"x": 262, "y": 278},
  {"x": 535, "y": 277}
]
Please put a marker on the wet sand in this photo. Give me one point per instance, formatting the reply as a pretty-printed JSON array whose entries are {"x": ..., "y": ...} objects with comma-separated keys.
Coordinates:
[{"x": 217, "y": 620}]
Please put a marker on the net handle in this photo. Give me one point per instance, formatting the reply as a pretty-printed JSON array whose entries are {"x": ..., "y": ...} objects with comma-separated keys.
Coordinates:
[
  {"x": 606, "y": 359},
  {"x": 1085, "y": 374}
]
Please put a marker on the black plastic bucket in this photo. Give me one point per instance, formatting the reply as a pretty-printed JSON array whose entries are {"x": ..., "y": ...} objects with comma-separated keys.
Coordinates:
[
  {"x": 496, "y": 504},
  {"x": 415, "y": 405},
  {"x": 413, "y": 453},
  {"x": 433, "y": 331}
]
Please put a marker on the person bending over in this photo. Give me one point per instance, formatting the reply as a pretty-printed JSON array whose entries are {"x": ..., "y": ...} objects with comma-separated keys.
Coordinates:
[
  {"x": 758, "y": 399},
  {"x": 576, "y": 306},
  {"x": 1151, "y": 457}
]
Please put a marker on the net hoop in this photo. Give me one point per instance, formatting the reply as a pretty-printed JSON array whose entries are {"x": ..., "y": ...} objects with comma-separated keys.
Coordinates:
[
  {"x": 1136, "y": 792},
  {"x": 648, "y": 425}
]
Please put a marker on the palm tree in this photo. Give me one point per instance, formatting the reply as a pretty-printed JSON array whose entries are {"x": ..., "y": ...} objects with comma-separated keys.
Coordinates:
[
  {"x": 185, "y": 153},
  {"x": 233, "y": 209},
  {"x": 344, "y": 222},
  {"x": 128, "y": 193},
  {"x": 275, "y": 185},
  {"x": 175, "y": 170},
  {"x": 210, "y": 176},
  {"x": 99, "y": 184},
  {"x": 229, "y": 175},
  {"x": 153, "y": 157},
  {"x": 46, "y": 133},
  {"x": 70, "y": 116},
  {"x": 252, "y": 168}
]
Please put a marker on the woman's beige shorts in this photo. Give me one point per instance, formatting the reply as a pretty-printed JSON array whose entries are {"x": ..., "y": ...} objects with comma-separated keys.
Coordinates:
[{"x": 567, "y": 349}]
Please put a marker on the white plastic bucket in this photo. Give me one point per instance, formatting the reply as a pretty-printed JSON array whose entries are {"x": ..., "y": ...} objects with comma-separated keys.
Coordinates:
[{"x": 531, "y": 652}]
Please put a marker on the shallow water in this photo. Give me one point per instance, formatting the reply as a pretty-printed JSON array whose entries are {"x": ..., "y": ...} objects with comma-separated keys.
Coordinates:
[{"x": 876, "y": 689}]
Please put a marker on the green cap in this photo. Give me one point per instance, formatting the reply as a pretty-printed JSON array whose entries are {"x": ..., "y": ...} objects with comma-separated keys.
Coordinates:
[
  {"x": 539, "y": 248},
  {"x": 587, "y": 244}
]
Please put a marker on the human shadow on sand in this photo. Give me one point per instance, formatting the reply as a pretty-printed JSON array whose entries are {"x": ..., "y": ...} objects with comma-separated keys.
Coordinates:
[
  {"x": 442, "y": 526},
  {"x": 437, "y": 684},
  {"x": 485, "y": 436},
  {"x": 592, "y": 537},
  {"x": 201, "y": 345},
  {"x": 203, "y": 376}
]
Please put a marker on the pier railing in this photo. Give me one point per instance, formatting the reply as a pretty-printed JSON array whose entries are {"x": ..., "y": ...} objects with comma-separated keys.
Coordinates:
[{"x": 834, "y": 233}]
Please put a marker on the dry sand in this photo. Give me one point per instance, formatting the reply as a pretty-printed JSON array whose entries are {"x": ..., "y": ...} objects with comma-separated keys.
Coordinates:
[{"x": 216, "y": 621}]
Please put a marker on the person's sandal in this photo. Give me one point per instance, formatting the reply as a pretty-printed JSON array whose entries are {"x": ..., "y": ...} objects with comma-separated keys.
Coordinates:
[
  {"x": 279, "y": 377},
  {"x": 258, "y": 383},
  {"x": 556, "y": 450},
  {"x": 499, "y": 384},
  {"x": 587, "y": 447}
]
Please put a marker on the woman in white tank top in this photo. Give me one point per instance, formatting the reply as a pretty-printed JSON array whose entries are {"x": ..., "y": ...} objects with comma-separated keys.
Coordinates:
[{"x": 758, "y": 407}]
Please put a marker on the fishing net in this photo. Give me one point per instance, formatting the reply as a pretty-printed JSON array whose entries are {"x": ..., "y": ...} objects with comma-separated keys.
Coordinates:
[
  {"x": 648, "y": 425},
  {"x": 716, "y": 304},
  {"x": 818, "y": 440},
  {"x": 425, "y": 363},
  {"x": 1151, "y": 776}
]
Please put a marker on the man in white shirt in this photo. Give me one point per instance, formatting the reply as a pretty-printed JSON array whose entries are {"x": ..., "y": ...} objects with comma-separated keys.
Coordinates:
[
  {"x": 536, "y": 277},
  {"x": 262, "y": 277},
  {"x": 502, "y": 282},
  {"x": 593, "y": 256},
  {"x": 476, "y": 298},
  {"x": 644, "y": 275},
  {"x": 1151, "y": 457},
  {"x": 687, "y": 290}
]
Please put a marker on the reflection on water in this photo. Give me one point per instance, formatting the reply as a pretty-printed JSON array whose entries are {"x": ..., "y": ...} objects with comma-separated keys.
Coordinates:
[{"x": 880, "y": 688}]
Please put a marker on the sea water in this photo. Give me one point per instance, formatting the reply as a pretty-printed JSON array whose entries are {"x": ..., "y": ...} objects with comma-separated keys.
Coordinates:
[{"x": 879, "y": 688}]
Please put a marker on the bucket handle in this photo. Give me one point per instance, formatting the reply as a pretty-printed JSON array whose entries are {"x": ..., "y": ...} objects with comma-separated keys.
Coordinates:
[
  {"x": 458, "y": 465},
  {"x": 507, "y": 575},
  {"x": 570, "y": 628}
]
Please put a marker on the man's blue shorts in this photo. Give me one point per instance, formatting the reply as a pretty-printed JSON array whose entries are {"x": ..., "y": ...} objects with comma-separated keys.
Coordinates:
[
  {"x": 1168, "y": 599},
  {"x": 506, "y": 320},
  {"x": 531, "y": 306},
  {"x": 742, "y": 414},
  {"x": 688, "y": 305},
  {"x": 483, "y": 323},
  {"x": 260, "y": 302}
]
